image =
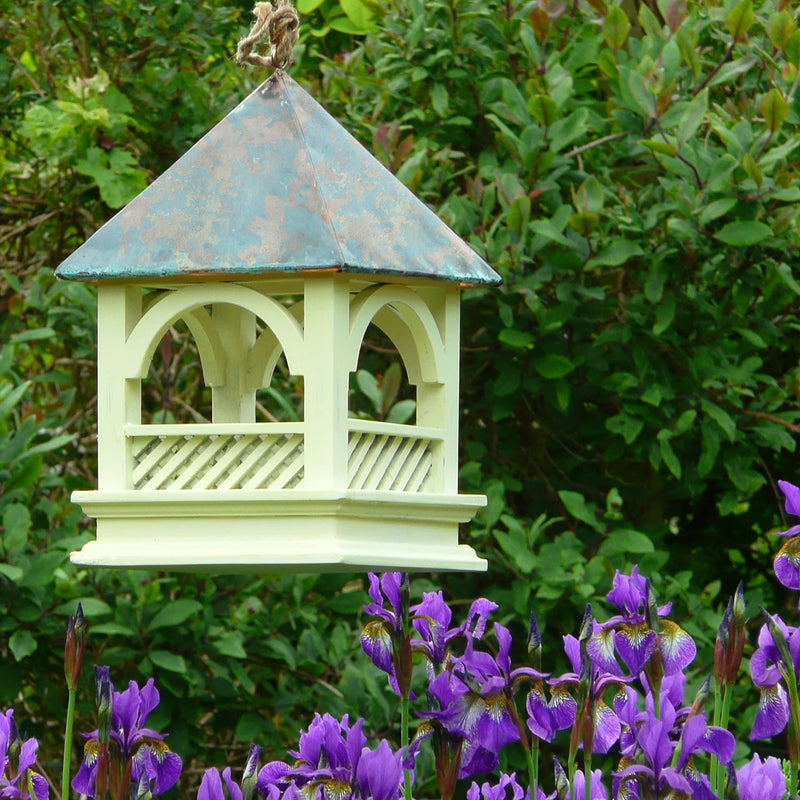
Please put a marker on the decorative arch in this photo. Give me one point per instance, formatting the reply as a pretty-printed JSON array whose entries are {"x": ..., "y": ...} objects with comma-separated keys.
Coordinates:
[
  {"x": 264, "y": 355},
  {"x": 408, "y": 321},
  {"x": 185, "y": 302}
]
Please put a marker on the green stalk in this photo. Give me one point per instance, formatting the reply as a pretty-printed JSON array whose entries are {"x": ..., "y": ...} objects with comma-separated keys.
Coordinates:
[
  {"x": 533, "y": 766},
  {"x": 715, "y": 776},
  {"x": 68, "y": 744},
  {"x": 404, "y": 714},
  {"x": 587, "y": 774}
]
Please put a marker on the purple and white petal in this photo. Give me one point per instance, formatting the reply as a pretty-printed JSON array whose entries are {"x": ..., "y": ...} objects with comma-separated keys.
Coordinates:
[
  {"x": 787, "y": 563},
  {"x": 635, "y": 644},
  {"x": 677, "y": 647},
  {"x": 606, "y": 728},
  {"x": 773, "y": 712}
]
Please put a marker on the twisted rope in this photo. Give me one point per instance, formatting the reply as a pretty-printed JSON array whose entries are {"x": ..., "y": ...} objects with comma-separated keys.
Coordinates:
[{"x": 281, "y": 24}]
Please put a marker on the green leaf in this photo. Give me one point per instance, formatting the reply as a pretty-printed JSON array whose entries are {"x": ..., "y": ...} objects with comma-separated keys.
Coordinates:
[
  {"x": 774, "y": 109},
  {"x": 12, "y": 573},
  {"x": 710, "y": 450},
  {"x": 665, "y": 314},
  {"x": 22, "y": 644},
  {"x": 623, "y": 541},
  {"x": 543, "y": 109},
  {"x": 618, "y": 252},
  {"x": 401, "y": 412},
  {"x": 440, "y": 99},
  {"x": 780, "y": 28},
  {"x": 281, "y": 648},
  {"x": 716, "y": 209},
  {"x": 230, "y": 644},
  {"x": 626, "y": 426},
  {"x": 515, "y": 339},
  {"x": 720, "y": 416},
  {"x": 168, "y": 661},
  {"x": 17, "y": 523},
  {"x": 174, "y": 613},
  {"x": 615, "y": 28},
  {"x": 693, "y": 116},
  {"x": 744, "y": 233},
  {"x": 658, "y": 146},
  {"x": 368, "y": 384},
  {"x": 589, "y": 196},
  {"x": 669, "y": 457},
  {"x": 515, "y": 545},
  {"x": 552, "y": 366},
  {"x": 577, "y": 507},
  {"x": 358, "y": 13},
  {"x": 740, "y": 19}
]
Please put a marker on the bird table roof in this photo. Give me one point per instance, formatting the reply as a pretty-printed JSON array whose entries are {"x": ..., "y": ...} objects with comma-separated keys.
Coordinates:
[{"x": 278, "y": 186}]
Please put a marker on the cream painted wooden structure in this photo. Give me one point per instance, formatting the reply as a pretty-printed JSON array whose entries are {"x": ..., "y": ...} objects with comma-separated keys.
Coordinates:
[{"x": 327, "y": 493}]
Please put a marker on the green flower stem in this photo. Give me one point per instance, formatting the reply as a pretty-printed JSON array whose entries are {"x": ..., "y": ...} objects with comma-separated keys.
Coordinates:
[
  {"x": 533, "y": 766},
  {"x": 68, "y": 744},
  {"x": 404, "y": 714},
  {"x": 716, "y": 774},
  {"x": 587, "y": 774}
]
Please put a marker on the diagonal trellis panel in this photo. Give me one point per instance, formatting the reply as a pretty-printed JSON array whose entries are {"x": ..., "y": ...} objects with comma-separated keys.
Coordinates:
[
  {"x": 218, "y": 461},
  {"x": 389, "y": 463}
]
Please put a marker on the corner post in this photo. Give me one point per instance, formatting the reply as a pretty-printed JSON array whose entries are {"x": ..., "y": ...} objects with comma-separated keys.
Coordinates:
[
  {"x": 326, "y": 332},
  {"x": 119, "y": 399},
  {"x": 437, "y": 404}
]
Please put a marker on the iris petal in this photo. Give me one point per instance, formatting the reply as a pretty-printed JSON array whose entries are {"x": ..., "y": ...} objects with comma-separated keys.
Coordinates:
[
  {"x": 635, "y": 644},
  {"x": 772, "y": 714},
  {"x": 677, "y": 647},
  {"x": 787, "y": 563},
  {"x": 606, "y": 728}
]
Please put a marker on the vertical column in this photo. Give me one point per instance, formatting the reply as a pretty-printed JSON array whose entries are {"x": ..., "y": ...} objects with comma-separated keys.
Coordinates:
[
  {"x": 119, "y": 308},
  {"x": 437, "y": 403},
  {"x": 232, "y": 402},
  {"x": 327, "y": 329}
]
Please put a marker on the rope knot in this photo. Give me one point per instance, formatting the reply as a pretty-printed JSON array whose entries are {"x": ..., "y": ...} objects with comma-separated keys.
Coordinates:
[{"x": 281, "y": 24}]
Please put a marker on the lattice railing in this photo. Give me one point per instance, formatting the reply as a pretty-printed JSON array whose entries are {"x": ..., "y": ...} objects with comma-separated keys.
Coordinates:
[
  {"x": 381, "y": 457},
  {"x": 393, "y": 458},
  {"x": 216, "y": 457}
]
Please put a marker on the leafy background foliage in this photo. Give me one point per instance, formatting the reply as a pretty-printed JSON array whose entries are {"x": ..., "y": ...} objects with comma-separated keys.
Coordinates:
[{"x": 630, "y": 394}]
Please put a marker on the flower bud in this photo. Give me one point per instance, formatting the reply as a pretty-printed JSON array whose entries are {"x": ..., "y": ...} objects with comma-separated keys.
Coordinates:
[
  {"x": 74, "y": 646},
  {"x": 250, "y": 774},
  {"x": 722, "y": 645},
  {"x": 103, "y": 701},
  {"x": 534, "y": 643}
]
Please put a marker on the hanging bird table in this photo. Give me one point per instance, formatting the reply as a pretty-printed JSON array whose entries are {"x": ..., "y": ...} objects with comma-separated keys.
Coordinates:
[{"x": 278, "y": 201}]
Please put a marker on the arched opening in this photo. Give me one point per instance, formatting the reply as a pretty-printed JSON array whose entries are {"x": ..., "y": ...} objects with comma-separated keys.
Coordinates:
[
  {"x": 175, "y": 390},
  {"x": 379, "y": 386}
]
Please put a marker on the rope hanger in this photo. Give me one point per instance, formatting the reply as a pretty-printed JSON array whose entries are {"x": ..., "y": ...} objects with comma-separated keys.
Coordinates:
[{"x": 281, "y": 24}]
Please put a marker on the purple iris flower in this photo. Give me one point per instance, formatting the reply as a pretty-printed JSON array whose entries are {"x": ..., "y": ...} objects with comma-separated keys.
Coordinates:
[
  {"x": 333, "y": 762},
  {"x": 655, "y": 743},
  {"x": 150, "y": 756},
  {"x": 761, "y": 780},
  {"x": 211, "y": 787},
  {"x": 431, "y": 619},
  {"x": 787, "y": 561},
  {"x": 379, "y": 634},
  {"x": 634, "y": 639},
  {"x": 765, "y": 668},
  {"x": 500, "y": 790},
  {"x": 379, "y": 774},
  {"x": 18, "y": 781},
  {"x": 474, "y": 700},
  {"x": 560, "y": 712}
]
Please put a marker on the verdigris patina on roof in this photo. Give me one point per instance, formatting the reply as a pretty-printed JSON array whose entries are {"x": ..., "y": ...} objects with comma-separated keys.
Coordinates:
[{"x": 278, "y": 186}]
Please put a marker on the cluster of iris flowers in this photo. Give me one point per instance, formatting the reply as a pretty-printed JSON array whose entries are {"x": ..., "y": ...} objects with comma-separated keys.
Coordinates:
[{"x": 623, "y": 698}]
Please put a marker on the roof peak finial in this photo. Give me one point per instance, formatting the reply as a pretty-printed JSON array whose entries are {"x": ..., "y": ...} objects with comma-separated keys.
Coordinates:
[{"x": 281, "y": 23}]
